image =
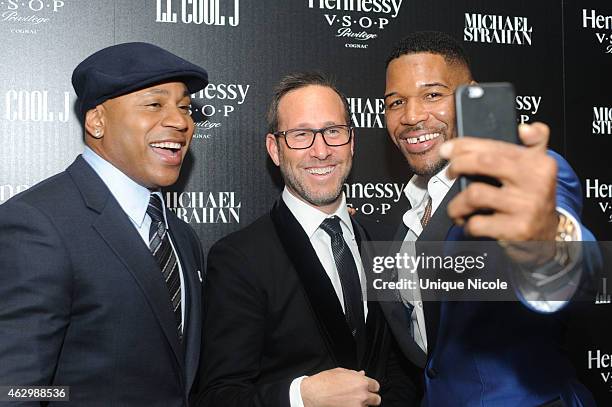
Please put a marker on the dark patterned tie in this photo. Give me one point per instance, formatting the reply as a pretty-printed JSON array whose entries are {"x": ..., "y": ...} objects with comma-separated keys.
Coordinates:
[
  {"x": 159, "y": 244},
  {"x": 427, "y": 214},
  {"x": 349, "y": 277}
]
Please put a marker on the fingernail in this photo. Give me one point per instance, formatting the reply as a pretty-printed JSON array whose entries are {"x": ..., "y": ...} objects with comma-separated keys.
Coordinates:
[{"x": 446, "y": 149}]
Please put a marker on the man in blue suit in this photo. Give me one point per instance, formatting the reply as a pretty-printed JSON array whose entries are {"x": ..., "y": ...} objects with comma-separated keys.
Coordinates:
[
  {"x": 477, "y": 353},
  {"x": 100, "y": 285}
]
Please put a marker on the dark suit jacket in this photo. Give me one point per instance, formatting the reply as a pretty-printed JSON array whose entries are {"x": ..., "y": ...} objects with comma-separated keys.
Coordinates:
[
  {"x": 492, "y": 353},
  {"x": 273, "y": 316},
  {"x": 82, "y": 301}
]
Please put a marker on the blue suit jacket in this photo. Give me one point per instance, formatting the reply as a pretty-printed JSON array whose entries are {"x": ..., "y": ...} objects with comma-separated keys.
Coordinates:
[
  {"x": 493, "y": 353},
  {"x": 82, "y": 301}
]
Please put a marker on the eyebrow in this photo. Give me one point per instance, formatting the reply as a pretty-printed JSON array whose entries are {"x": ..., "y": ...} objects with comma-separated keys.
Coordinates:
[
  {"x": 425, "y": 85},
  {"x": 163, "y": 92},
  {"x": 156, "y": 92},
  {"x": 326, "y": 124}
]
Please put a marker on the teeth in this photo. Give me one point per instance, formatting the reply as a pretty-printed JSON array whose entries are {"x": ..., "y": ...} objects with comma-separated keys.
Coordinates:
[
  {"x": 424, "y": 137},
  {"x": 320, "y": 171},
  {"x": 167, "y": 144}
]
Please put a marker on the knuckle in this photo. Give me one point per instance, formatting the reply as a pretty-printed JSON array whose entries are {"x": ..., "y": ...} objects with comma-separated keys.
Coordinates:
[
  {"x": 472, "y": 193},
  {"x": 523, "y": 228},
  {"x": 488, "y": 160},
  {"x": 536, "y": 206},
  {"x": 472, "y": 225},
  {"x": 363, "y": 395}
]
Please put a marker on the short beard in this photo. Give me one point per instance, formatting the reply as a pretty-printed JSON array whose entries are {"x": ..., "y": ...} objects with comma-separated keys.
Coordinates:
[
  {"x": 430, "y": 169},
  {"x": 312, "y": 198},
  {"x": 318, "y": 200}
]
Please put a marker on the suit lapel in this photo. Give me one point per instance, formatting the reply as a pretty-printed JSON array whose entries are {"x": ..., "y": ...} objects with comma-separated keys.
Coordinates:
[
  {"x": 436, "y": 231},
  {"x": 117, "y": 231},
  {"x": 396, "y": 313},
  {"x": 319, "y": 290},
  {"x": 193, "y": 295},
  {"x": 398, "y": 317},
  {"x": 372, "y": 325},
  {"x": 376, "y": 325}
]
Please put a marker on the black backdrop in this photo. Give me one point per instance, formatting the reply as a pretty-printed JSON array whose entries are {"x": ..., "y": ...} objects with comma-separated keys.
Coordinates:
[{"x": 558, "y": 56}]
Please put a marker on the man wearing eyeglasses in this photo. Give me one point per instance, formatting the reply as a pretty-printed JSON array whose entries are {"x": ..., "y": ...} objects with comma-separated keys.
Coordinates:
[{"x": 288, "y": 322}]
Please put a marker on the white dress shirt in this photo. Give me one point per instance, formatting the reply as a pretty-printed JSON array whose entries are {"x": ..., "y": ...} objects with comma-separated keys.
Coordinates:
[
  {"x": 133, "y": 198},
  {"x": 310, "y": 219},
  {"x": 418, "y": 190}
]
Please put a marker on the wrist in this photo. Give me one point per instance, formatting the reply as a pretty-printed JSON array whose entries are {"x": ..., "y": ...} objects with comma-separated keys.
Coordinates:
[{"x": 305, "y": 389}]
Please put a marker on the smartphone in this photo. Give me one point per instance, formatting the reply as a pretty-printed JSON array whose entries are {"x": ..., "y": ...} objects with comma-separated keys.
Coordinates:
[{"x": 486, "y": 110}]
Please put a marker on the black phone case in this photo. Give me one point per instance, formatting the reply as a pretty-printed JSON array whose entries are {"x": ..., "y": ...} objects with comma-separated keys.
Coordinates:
[{"x": 486, "y": 110}]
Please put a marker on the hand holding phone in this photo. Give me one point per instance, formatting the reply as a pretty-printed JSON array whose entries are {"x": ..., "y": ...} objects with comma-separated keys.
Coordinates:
[{"x": 523, "y": 205}]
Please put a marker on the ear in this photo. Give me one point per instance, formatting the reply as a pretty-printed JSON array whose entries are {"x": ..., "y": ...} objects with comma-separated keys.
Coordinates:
[
  {"x": 473, "y": 82},
  {"x": 94, "y": 123},
  {"x": 272, "y": 147},
  {"x": 353, "y": 142}
]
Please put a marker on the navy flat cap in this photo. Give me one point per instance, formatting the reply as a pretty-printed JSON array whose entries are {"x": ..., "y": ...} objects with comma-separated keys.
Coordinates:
[{"x": 125, "y": 68}]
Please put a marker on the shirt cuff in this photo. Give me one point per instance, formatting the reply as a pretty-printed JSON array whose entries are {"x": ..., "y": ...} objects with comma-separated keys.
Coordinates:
[
  {"x": 566, "y": 279},
  {"x": 295, "y": 392},
  {"x": 577, "y": 225}
]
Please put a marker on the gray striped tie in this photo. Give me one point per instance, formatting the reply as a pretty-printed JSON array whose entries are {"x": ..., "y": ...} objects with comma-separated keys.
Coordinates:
[
  {"x": 349, "y": 277},
  {"x": 160, "y": 246}
]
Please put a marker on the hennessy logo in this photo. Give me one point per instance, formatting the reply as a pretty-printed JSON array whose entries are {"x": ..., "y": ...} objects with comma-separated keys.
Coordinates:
[
  {"x": 602, "y": 192},
  {"x": 28, "y": 15},
  {"x": 390, "y": 7},
  {"x": 590, "y": 19},
  {"x": 594, "y": 21},
  {"x": 527, "y": 106},
  {"x": 357, "y": 29},
  {"x": 494, "y": 29},
  {"x": 389, "y": 192},
  {"x": 597, "y": 360},
  {"x": 215, "y": 102}
]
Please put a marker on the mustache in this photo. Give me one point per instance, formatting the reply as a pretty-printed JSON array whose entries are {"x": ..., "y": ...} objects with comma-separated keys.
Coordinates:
[
  {"x": 323, "y": 163},
  {"x": 421, "y": 127}
]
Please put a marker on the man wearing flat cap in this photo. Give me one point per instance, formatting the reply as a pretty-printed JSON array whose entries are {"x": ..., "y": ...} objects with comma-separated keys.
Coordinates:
[{"x": 100, "y": 285}]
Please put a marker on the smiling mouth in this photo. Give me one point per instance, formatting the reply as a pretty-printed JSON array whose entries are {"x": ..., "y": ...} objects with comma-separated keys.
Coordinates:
[
  {"x": 168, "y": 151},
  {"x": 167, "y": 145},
  {"x": 423, "y": 138},
  {"x": 321, "y": 170}
]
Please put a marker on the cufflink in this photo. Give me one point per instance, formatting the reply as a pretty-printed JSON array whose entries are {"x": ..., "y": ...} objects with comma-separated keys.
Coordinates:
[{"x": 566, "y": 230}]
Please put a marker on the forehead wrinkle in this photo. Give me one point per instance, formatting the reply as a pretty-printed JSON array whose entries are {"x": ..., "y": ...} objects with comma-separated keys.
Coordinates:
[
  {"x": 306, "y": 125},
  {"x": 156, "y": 91},
  {"x": 164, "y": 92},
  {"x": 432, "y": 85}
]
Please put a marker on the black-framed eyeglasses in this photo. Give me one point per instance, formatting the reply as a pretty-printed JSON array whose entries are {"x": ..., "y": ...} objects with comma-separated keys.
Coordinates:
[{"x": 333, "y": 136}]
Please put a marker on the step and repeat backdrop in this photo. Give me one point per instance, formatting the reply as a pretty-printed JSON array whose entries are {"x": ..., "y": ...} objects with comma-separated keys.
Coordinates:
[{"x": 558, "y": 53}]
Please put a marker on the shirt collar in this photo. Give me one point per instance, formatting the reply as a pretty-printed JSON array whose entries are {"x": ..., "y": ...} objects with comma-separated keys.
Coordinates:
[
  {"x": 443, "y": 176},
  {"x": 131, "y": 196},
  {"x": 311, "y": 218},
  {"x": 417, "y": 186}
]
